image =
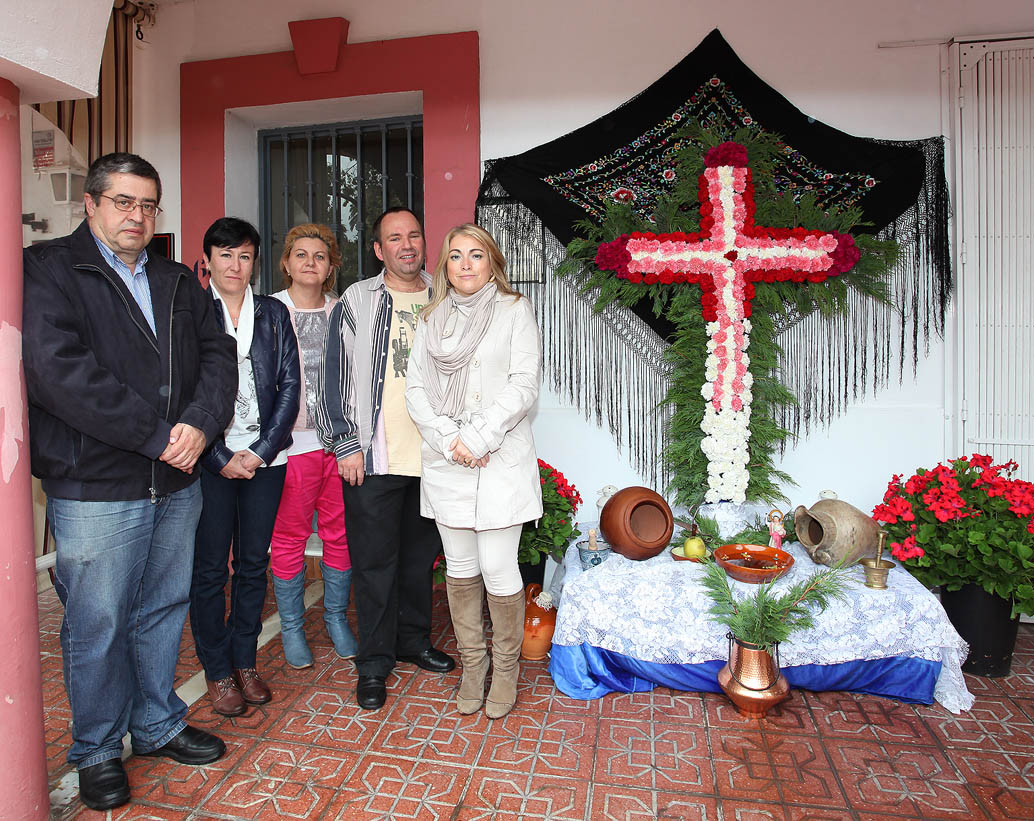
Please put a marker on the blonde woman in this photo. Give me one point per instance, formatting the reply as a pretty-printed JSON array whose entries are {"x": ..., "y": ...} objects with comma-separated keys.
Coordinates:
[
  {"x": 309, "y": 265},
  {"x": 473, "y": 377}
]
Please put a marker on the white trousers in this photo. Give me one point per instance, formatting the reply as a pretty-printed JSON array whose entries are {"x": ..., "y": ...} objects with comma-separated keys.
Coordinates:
[{"x": 490, "y": 553}]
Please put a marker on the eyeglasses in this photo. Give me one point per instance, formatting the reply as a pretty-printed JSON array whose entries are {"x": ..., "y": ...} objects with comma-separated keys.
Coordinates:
[{"x": 149, "y": 209}]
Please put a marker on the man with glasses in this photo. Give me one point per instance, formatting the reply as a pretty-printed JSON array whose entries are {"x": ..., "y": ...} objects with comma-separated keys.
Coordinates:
[{"x": 128, "y": 378}]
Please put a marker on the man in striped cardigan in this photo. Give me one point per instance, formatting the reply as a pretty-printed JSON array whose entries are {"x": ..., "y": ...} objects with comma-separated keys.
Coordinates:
[{"x": 362, "y": 417}]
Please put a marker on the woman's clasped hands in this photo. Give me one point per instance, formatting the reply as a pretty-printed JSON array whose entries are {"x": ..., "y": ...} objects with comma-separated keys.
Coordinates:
[{"x": 462, "y": 456}]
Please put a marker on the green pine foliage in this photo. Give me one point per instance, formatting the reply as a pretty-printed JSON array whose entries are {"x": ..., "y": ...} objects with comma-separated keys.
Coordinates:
[
  {"x": 680, "y": 303},
  {"x": 766, "y": 619}
]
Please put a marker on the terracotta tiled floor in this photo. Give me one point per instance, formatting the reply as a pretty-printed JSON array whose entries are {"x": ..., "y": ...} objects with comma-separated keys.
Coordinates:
[{"x": 313, "y": 754}]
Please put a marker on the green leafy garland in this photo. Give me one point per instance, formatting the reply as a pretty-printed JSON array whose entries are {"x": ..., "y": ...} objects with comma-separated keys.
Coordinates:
[
  {"x": 680, "y": 212},
  {"x": 766, "y": 619}
]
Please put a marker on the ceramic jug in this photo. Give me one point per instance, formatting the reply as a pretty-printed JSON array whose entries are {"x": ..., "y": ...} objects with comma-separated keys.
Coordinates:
[
  {"x": 637, "y": 523},
  {"x": 539, "y": 624},
  {"x": 834, "y": 532}
]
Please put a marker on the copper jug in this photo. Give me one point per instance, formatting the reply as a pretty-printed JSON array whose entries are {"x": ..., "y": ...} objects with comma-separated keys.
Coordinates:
[
  {"x": 752, "y": 680},
  {"x": 834, "y": 532}
]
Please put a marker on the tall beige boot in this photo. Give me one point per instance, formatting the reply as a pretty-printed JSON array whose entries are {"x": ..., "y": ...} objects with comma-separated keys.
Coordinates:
[
  {"x": 507, "y": 634},
  {"x": 465, "y": 603}
]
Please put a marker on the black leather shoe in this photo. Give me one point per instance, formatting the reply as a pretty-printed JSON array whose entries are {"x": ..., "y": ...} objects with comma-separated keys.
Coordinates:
[
  {"x": 104, "y": 786},
  {"x": 430, "y": 659},
  {"x": 191, "y": 746},
  {"x": 370, "y": 692}
]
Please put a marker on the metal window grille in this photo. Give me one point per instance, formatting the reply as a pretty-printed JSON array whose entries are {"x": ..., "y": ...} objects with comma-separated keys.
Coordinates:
[
  {"x": 343, "y": 175},
  {"x": 995, "y": 184}
]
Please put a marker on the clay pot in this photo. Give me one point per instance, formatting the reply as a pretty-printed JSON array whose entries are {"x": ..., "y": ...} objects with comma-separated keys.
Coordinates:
[
  {"x": 753, "y": 563},
  {"x": 539, "y": 624},
  {"x": 834, "y": 532},
  {"x": 637, "y": 523},
  {"x": 751, "y": 679}
]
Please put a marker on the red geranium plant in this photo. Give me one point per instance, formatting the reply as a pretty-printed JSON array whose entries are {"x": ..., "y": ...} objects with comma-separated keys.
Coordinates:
[
  {"x": 551, "y": 534},
  {"x": 966, "y": 522}
]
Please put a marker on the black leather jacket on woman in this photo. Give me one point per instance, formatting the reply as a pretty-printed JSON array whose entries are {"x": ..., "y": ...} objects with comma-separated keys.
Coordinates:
[{"x": 274, "y": 361}]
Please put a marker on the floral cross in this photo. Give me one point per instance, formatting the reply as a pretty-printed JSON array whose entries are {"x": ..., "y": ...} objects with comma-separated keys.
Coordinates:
[{"x": 725, "y": 258}]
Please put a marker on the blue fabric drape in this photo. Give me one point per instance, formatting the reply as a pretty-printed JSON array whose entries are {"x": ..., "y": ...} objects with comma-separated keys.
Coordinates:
[{"x": 588, "y": 672}]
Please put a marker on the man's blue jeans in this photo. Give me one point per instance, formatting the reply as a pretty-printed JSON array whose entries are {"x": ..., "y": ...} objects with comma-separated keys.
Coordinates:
[{"x": 123, "y": 575}]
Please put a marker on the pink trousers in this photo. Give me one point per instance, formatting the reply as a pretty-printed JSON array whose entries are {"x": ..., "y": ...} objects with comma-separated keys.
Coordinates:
[{"x": 312, "y": 484}]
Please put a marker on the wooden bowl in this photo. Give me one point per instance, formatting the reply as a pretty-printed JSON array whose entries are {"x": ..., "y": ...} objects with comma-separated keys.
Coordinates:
[{"x": 753, "y": 563}]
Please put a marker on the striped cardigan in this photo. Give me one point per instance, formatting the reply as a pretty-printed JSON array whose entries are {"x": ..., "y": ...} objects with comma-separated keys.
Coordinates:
[{"x": 348, "y": 413}]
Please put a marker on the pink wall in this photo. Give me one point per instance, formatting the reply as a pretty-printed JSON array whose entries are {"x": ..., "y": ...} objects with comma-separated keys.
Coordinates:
[
  {"x": 443, "y": 67},
  {"x": 23, "y": 770}
]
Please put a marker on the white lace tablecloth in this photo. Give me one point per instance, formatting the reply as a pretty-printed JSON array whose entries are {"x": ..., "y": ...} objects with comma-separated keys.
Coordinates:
[{"x": 656, "y": 611}]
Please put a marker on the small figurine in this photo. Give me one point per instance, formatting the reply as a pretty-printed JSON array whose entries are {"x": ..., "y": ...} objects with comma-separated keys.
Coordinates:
[
  {"x": 592, "y": 538},
  {"x": 776, "y": 529},
  {"x": 604, "y": 496}
]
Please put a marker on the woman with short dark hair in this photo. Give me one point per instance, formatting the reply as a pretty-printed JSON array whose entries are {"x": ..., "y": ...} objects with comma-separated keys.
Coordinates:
[{"x": 242, "y": 472}]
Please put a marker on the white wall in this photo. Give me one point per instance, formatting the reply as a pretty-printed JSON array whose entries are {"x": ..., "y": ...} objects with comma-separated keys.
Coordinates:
[
  {"x": 51, "y": 49},
  {"x": 550, "y": 66}
]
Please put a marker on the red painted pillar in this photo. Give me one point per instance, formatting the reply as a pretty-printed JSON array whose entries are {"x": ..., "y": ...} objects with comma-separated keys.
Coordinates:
[{"x": 23, "y": 768}]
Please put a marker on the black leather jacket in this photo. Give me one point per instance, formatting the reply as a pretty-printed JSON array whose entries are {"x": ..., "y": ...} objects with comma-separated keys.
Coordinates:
[
  {"x": 104, "y": 390},
  {"x": 274, "y": 361}
]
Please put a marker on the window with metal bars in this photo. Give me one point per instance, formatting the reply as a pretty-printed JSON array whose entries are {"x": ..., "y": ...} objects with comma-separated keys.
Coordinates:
[{"x": 343, "y": 175}]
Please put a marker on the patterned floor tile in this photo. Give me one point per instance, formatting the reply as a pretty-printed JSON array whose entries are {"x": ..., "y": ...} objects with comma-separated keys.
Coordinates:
[
  {"x": 800, "y": 812},
  {"x": 328, "y": 718},
  {"x": 663, "y": 754},
  {"x": 906, "y": 779},
  {"x": 793, "y": 716},
  {"x": 804, "y": 771},
  {"x": 628, "y": 706},
  {"x": 549, "y": 744},
  {"x": 418, "y": 727},
  {"x": 509, "y": 795},
  {"x": 290, "y": 780},
  {"x": 658, "y": 756},
  {"x": 382, "y": 787},
  {"x": 742, "y": 765},
  {"x": 614, "y": 803},
  {"x": 849, "y": 715},
  {"x": 994, "y": 723},
  {"x": 771, "y": 810}
]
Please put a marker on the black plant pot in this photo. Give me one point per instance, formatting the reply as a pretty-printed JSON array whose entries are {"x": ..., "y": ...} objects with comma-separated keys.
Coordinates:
[
  {"x": 985, "y": 622},
  {"x": 533, "y": 573}
]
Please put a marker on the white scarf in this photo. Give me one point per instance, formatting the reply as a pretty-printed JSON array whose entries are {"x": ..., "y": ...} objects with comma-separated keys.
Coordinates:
[{"x": 245, "y": 322}]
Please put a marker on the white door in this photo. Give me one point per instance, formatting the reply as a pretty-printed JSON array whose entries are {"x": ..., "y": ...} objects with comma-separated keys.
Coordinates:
[{"x": 995, "y": 220}]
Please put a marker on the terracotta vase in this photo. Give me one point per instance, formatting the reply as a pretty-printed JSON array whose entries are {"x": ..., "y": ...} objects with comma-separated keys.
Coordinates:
[
  {"x": 834, "y": 532},
  {"x": 539, "y": 624},
  {"x": 637, "y": 523},
  {"x": 751, "y": 679}
]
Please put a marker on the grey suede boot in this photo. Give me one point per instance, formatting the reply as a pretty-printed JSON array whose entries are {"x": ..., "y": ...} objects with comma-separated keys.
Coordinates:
[
  {"x": 290, "y": 601},
  {"x": 465, "y": 603},
  {"x": 507, "y": 635},
  {"x": 337, "y": 585}
]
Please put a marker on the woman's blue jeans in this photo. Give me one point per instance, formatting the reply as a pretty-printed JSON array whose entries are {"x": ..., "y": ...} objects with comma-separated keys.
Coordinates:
[
  {"x": 240, "y": 512},
  {"x": 123, "y": 575}
]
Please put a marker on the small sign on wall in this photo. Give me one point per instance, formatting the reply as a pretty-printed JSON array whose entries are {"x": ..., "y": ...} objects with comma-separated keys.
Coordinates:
[{"x": 42, "y": 148}]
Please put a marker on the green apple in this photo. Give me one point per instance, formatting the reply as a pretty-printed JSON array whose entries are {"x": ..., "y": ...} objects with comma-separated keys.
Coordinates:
[{"x": 694, "y": 548}]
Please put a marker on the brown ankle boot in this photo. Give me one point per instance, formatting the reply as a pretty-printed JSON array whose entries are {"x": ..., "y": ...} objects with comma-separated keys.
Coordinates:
[
  {"x": 507, "y": 634},
  {"x": 226, "y": 696},
  {"x": 465, "y": 603}
]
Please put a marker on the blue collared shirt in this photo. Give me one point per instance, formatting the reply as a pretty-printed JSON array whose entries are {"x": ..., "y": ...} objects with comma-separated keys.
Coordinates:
[{"x": 136, "y": 280}]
